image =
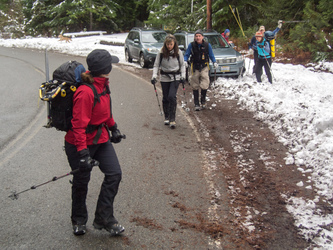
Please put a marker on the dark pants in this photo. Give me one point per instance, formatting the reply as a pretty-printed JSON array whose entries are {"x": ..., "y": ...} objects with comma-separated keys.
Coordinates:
[
  {"x": 169, "y": 90},
  {"x": 255, "y": 57},
  {"x": 109, "y": 165},
  {"x": 266, "y": 62}
]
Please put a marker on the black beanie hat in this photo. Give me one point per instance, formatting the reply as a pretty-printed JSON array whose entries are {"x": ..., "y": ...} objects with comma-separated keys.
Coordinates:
[
  {"x": 199, "y": 32},
  {"x": 99, "y": 62}
]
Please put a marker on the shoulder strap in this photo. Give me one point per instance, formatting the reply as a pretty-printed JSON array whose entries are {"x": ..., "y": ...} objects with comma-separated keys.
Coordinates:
[
  {"x": 161, "y": 57},
  {"x": 96, "y": 95}
]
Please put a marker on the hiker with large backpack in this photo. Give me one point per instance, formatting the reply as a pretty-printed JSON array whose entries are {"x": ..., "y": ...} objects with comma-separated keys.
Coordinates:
[
  {"x": 198, "y": 53},
  {"x": 269, "y": 35},
  {"x": 170, "y": 61},
  {"x": 89, "y": 138},
  {"x": 264, "y": 57}
]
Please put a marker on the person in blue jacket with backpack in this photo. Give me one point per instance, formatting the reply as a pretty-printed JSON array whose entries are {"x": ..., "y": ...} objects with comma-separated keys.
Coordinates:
[
  {"x": 253, "y": 44},
  {"x": 264, "y": 57}
]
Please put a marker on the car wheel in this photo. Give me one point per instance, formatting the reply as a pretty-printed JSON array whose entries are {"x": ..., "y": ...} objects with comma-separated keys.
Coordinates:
[
  {"x": 127, "y": 57},
  {"x": 142, "y": 61}
]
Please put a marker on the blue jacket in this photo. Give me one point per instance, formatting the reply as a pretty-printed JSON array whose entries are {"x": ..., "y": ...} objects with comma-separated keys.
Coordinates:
[
  {"x": 265, "y": 51},
  {"x": 189, "y": 49},
  {"x": 253, "y": 43}
]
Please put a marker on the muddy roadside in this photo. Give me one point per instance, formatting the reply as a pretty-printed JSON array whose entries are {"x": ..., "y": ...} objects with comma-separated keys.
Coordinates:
[{"x": 249, "y": 174}]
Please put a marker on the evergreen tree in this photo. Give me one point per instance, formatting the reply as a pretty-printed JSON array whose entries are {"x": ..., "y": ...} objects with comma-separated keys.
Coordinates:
[{"x": 314, "y": 34}]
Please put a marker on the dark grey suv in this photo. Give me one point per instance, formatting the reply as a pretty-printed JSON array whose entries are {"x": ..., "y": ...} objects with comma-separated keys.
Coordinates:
[
  {"x": 143, "y": 45},
  {"x": 230, "y": 61}
]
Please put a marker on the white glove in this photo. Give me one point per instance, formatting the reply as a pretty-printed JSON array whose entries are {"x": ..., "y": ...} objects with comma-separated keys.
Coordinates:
[
  {"x": 215, "y": 65},
  {"x": 250, "y": 51},
  {"x": 186, "y": 64},
  {"x": 280, "y": 24}
]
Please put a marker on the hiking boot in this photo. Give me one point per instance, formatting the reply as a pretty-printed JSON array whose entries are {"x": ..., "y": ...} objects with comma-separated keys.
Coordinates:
[
  {"x": 79, "y": 229},
  {"x": 166, "y": 122},
  {"x": 197, "y": 108},
  {"x": 113, "y": 229},
  {"x": 173, "y": 124},
  {"x": 203, "y": 105}
]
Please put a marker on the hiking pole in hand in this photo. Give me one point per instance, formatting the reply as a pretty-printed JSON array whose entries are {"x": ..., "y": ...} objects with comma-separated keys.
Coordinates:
[
  {"x": 270, "y": 69},
  {"x": 161, "y": 113},
  {"x": 187, "y": 109},
  {"x": 15, "y": 195}
]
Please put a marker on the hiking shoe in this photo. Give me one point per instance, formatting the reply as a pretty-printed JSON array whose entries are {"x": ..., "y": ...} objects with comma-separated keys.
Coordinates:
[
  {"x": 203, "y": 105},
  {"x": 197, "y": 108},
  {"x": 79, "y": 229},
  {"x": 173, "y": 124},
  {"x": 166, "y": 122},
  {"x": 113, "y": 229}
]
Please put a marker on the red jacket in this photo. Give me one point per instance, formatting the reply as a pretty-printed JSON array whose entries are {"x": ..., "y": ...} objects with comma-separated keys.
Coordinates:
[
  {"x": 226, "y": 37},
  {"x": 85, "y": 113}
]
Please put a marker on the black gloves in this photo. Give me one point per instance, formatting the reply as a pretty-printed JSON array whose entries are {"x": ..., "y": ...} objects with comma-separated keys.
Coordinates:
[
  {"x": 85, "y": 163},
  {"x": 260, "y": 46},
  {"x": 182, "y": 80},
  {"x": 153, "y": 81},
  {"x": 116, "y": 135}
]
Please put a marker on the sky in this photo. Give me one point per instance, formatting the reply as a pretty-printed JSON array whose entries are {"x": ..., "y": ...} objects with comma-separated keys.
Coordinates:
[{"x": 297, "y": 107}]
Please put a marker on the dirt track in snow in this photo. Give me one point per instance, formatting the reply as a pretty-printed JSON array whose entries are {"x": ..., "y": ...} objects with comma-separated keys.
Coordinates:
[{"x": 250, "y": 179}]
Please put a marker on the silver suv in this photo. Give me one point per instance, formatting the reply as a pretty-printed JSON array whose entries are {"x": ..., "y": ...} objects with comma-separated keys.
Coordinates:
[
  {"x": 143, "y": 45},
  {"x": 230, "y": 61}
]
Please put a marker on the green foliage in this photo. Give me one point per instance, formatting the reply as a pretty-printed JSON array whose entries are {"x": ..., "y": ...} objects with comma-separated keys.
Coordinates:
[
  {"x": 176, "y": 14},
  {"x": 315, "y": 33},
  {"x": 307, "y": 30},
  {"x": 11, "y": 19}
]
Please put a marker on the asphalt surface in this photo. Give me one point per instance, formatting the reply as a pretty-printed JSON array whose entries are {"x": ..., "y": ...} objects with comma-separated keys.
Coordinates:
[{"x": 163, "y": 187}]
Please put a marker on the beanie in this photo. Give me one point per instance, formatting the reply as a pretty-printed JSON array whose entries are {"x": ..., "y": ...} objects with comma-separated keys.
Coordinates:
[
  {"x": 227, "y": 30},
  {"x": 259, "y": 34},
  {"x": 99, "y": 62},
  {"x": 199, "y": 32}
]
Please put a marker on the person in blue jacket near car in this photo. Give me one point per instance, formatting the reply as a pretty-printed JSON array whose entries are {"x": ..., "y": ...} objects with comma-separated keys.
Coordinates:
[
  {"x": 264, "y": 57},
  {"x": 199, "y": 52},
  {"x": 253, "y": 44}
]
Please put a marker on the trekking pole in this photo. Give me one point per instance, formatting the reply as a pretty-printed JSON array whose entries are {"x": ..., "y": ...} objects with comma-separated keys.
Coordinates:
[
  {"x": 15, "y": 195},
  {"x": 47, "y": 76},
  {"x": 161, "y": 113},
  {"x": 295, "y": 21},
  {"x": 270, "y": 69},
  {"x": 187, "y": 109}
]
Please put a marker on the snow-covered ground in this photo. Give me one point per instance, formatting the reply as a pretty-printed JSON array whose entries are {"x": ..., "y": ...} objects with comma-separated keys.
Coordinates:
[{"x": 297, "y": 107}]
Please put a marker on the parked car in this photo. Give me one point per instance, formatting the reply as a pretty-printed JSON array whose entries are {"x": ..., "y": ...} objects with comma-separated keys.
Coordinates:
[
  {"x": 230, "y": 61},
  {"x": 143, "y": 45}
]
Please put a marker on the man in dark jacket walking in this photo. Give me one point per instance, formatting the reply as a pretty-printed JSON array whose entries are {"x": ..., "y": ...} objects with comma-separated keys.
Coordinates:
[{"x": 200, "y": 52}]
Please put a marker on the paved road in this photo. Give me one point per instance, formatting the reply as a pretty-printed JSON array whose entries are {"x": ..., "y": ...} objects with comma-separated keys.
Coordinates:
[{"x": 163, "y": 193}]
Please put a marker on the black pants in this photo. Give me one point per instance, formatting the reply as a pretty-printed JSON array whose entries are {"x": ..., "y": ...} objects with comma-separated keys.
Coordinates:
[
  {"x": 255, "y": 57},
  {"x": 109, "y": 165},
  {"x": 169, "y": 90},
  {"x": 266, "y": 62}
]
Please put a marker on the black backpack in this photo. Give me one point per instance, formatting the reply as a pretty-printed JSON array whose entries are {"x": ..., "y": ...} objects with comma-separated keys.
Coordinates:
[
  {"x": 269, "y": 35},
  {"x": 59, "y": 94}
]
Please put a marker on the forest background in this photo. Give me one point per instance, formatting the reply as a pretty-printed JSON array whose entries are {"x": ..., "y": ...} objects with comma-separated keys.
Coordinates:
[{"x": 306, "y": 34}]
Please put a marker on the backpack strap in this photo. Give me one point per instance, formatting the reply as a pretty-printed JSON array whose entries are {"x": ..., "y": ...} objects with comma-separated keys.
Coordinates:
[
  {"x": 174, "y": 73},
  {"x": 91, "y": 128}
]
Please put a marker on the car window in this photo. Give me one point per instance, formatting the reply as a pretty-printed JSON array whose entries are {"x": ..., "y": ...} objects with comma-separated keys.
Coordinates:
[
  {"x": 216, "y": 41},
  {"x": 153, "y": 37},
  {"x": 136, "y": 36},
  {"x": 181, "y": 40},
  {"x": 190, "y": 38}
]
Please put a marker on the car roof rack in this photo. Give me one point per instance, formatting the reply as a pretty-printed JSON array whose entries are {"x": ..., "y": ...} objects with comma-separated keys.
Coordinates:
[
  {"x": 146, "y": 29},
  {"x": 209, "y": 30},
  {"x": 183, "y": 31}
]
